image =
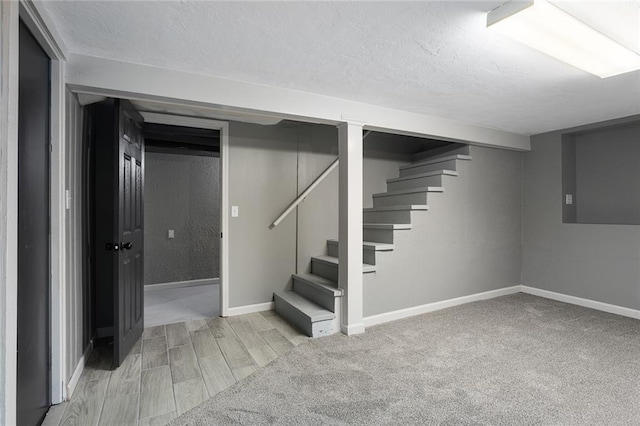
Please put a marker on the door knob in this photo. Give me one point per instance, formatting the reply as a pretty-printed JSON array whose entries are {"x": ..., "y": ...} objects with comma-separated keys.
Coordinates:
[{"x": 127, "y": 246}]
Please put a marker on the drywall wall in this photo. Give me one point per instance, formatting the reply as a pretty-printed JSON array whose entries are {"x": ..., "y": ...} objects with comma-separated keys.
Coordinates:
[
  {"x": 182, "y": 193},
  {"x": 262, "y": 182},
  {"x": 608, "y": 175},
  {"x": 317, "y": 215},
  {"x": 596, "y": 262},
  {"x": 468, "y": 241},
  {"x": 78, "y": 335}
]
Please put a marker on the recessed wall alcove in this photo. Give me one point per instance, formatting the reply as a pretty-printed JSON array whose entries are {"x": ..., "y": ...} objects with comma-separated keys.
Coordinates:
[{"x": 601, "y": 175}]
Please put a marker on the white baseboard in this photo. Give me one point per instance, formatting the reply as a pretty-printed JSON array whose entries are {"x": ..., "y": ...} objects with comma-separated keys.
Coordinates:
[
  {"x": 249, "y": 309},
  {"x": 436, "y": 306},
  {"x": 73, "y": 381},
  {"x": 352, "y": 329},
  {"x": 587, "y": 303},
  {"x": 180, "y": 284}
]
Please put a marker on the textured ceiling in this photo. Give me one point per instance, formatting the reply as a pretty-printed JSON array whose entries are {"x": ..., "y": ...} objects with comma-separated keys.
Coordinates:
[{"x": 435, "y": 58}]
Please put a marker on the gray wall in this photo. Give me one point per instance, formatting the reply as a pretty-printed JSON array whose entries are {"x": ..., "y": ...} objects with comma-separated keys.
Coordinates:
[
  {"x": 318, "y": 214},
  {"x": 597, "y": 262},
  {"x": 262, "y": 182},
  {"x": 608, "y": 176},
  {"x": 182, "y": 192},
  {"x": 469, "y": 241}
]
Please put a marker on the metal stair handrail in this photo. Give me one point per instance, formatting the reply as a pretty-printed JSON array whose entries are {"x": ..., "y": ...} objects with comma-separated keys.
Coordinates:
[
  {"x": 310, "y": 188},
  {"x": 306, "y": 192}
]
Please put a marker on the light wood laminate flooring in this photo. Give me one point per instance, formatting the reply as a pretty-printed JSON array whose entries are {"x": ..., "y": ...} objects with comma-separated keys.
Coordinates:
[{"x": 174, "y": 368}]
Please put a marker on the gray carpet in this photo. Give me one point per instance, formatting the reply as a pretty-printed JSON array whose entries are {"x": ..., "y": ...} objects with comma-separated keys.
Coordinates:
[{"x": 517, "y": 359}]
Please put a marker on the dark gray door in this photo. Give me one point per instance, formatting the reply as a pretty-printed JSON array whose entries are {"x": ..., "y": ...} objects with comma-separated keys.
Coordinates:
[
  {"x": 33, "y": 375},
  {"x": 128, "y": 301}
]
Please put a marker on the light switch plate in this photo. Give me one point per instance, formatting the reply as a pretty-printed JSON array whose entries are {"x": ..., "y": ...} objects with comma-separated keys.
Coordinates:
[
  {"x": 568, "y": 199},
  {"x": 234, "y": 211},
  {"x": 171, "y": 233}
]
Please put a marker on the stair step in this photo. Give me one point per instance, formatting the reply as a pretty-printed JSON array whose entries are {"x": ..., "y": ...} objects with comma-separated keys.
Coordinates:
[
  {"x": 408, "y": 191},
  {"x": 317, "y": 289},
  {"x": 320, "y": 282},
  {"x": 314, "y": 312},
  {"x": 436, "y": 160},
  {"x": 441, "y": 152},
  {"x": 411, "y": 196},
  {"x": 418, "y": 180},
  {"x": 391, "y": 214},
  {"x": 397, "y": 208},
  {"x": 369, "y": 250},
  {"x": 333, "y": 262},
  {"x": 443, "y": 163},
  {"x": 424, "y": 175},
  {"x": 369, "y": 245},
  {"x": 391, "y": 226},
  {"x": 314, "y": 320}
]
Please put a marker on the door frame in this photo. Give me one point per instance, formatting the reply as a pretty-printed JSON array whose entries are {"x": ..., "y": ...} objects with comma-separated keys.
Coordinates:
[
  {"x": 223, "y": 128},
  {"x": 49, "y": 41},
  {"x": 51, "y": 45}
]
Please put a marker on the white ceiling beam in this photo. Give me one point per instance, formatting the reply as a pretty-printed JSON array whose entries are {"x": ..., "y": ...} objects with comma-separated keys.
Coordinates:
[{"x": 102, "y": 76}]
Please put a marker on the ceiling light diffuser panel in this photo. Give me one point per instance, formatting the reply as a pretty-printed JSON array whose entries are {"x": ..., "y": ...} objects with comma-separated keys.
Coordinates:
[{"x": 548, "y": 29}]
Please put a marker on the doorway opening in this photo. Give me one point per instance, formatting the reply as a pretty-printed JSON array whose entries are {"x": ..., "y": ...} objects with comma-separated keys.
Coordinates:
[
  {"x": 182, "y": 224},
  {"x": 181, "y": 258}
]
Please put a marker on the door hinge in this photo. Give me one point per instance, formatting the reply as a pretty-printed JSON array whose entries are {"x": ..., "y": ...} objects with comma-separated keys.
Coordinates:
[
  {"x": 50, "y": 148},
  {"x": 221, "y": 235}
]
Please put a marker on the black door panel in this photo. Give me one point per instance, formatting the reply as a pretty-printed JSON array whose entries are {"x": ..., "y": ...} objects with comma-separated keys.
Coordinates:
[
  {"x": 118, "y": 201},
  {"x": 33, "y": 375},
  {"x": 129, "y": 305}
]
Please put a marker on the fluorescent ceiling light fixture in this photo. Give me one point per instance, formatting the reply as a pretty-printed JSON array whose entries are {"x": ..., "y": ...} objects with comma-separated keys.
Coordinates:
[{"x": 547, "y": 28}]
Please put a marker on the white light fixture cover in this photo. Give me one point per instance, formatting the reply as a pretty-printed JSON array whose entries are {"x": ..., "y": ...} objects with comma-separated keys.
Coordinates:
[{"x": 548, "y": 29}]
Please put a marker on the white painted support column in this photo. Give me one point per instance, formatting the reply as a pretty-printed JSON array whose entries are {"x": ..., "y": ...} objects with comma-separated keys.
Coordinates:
[{"x": 350, "y": 227}]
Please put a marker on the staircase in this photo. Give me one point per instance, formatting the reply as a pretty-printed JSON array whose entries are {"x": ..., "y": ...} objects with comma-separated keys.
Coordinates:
[{"x": 314, "y": 303}]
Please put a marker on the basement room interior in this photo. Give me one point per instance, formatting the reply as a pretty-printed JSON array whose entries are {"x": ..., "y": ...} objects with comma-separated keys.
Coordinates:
[{"x": 319, "y": 212}]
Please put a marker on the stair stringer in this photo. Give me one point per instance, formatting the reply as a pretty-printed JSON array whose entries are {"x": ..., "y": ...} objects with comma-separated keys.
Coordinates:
[
  {"x": 468, "y": 242},
  {"x": 418, "y": 254}
]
